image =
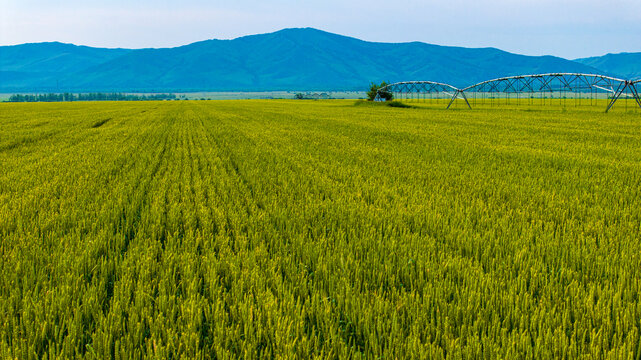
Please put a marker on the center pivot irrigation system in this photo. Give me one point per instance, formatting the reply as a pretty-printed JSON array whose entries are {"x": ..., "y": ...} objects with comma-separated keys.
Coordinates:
[{"x": 540, "y": 86}]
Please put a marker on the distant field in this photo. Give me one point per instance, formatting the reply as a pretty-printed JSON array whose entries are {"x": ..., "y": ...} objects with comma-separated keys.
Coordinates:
[
  {"x": 257, "y": 95},
  {"x": 245, "y": 229},
  {"x": 262, "y": 95}
]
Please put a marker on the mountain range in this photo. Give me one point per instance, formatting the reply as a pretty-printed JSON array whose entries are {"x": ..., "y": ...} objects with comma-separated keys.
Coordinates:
[
  {"x": 625, "y": 65},
  {"x": 290, "y": 59}
]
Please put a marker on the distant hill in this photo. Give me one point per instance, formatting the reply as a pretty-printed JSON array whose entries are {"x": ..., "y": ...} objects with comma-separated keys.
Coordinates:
[
  {"x": 290, "y": 59},
  {"x": 626, "y": 65},
  {"x": 34, "y": 66}
]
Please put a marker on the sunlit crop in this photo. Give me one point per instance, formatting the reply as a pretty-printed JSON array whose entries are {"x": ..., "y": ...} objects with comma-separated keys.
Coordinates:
[{"x": 247, "y": 229}]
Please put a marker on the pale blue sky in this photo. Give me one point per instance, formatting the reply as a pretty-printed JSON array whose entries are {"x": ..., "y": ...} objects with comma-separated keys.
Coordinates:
[{"x": 568, "y": 28}]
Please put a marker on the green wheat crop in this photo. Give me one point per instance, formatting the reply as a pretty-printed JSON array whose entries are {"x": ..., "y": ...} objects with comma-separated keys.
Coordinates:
[{"x": 299, "y": 229}]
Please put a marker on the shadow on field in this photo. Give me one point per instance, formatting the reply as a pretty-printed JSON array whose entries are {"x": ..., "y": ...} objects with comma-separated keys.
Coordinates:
[
  {"x": 100, "y": 123},
  {"x": 396, "y": 104}
]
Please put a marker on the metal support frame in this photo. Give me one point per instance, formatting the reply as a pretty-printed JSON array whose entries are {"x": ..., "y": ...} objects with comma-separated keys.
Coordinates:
[
  {"x": 635, "y": 92},
  {"x": 537, "y": 83},
  {"x": 617, "y": 94},
  {"x": 425, "y": 87},
  {"x": 455, "y": 96}
]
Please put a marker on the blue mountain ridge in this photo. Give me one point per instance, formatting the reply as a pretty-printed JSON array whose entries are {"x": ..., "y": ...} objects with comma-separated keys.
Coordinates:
[
  {"x": 627, "y": 65},
  {"x": 289, "y": 59}
]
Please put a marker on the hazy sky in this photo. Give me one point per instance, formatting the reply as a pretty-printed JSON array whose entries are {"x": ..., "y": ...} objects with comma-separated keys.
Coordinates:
[{"x": 568, "y": 28}]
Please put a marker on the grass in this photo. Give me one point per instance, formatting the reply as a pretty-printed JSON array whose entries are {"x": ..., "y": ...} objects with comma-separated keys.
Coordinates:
[{"x": 245, "y": 229}]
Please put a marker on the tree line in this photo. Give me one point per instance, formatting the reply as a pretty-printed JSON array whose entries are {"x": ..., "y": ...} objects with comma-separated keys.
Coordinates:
[{"x": 88, "y": 97}]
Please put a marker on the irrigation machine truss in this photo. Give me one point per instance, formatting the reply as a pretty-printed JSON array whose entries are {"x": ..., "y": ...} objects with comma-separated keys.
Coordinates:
[{"x": 543, "y": 85}]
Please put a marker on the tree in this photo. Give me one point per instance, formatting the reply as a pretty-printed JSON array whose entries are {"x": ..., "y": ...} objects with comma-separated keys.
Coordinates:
[{"x": 374, "y": 89}]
